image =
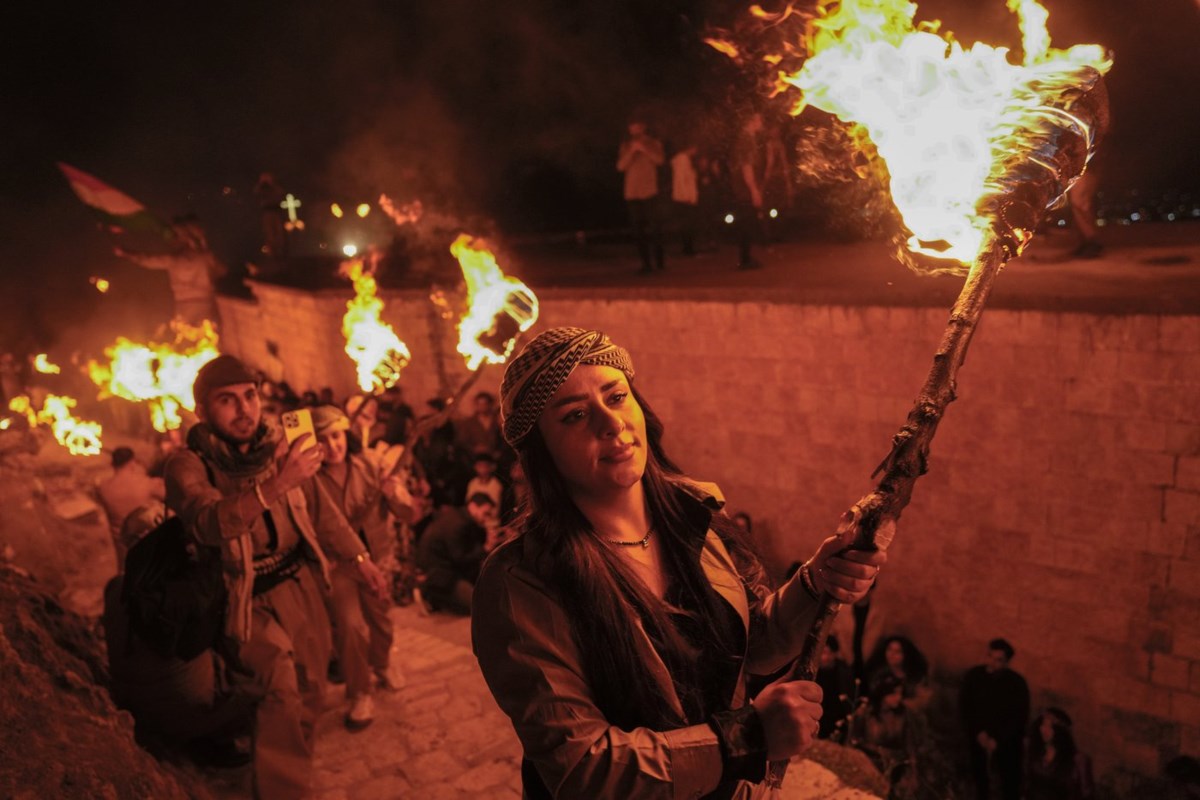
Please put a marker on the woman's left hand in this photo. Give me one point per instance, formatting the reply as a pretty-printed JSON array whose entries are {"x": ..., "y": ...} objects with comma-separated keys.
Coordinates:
[{"x": 848, "y": 577}]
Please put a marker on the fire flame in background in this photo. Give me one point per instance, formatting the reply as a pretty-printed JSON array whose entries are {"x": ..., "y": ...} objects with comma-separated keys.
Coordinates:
[
  {"x": 80, "y": 437},
  {"x": 941, "y": 117},
  {"x": 401, "y": 215},
  {"x": 498, "y": 307},
  {"x": 372, "y": 344},
  {"x": 159, "y": 374},
  {"x": 42, "y": 364}
]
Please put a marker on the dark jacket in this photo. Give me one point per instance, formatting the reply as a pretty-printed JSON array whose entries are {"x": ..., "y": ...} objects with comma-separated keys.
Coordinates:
[{"x": 522, "y": 638}]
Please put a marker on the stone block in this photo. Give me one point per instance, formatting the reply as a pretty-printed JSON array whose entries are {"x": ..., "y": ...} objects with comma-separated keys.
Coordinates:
[
  {"x": 1146, "y": 729},
  {"x": 1179, "y": 334},
  {"x": 1164, "y": 538},
  {"x": 1187, "y": 473},
  {"x": 1185, "y": 707},
  {"x": 1182, "y": 508},
  {"x": 478, "y": 780},
  {"x": 1185, "y": 577},
  {"x": 1169, "y": 671}
]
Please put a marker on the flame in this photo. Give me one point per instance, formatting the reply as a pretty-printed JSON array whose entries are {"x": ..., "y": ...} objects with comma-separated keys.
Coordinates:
[
  {"x": 372, "y": 344},
  {"x": 101, "y": 284},
  {"x": 498, "y": 307},
  {"x": 42, "y": 364},
  {"x": 401, "y": 215},
  {"x": 724, "y": 47},
  {"x": 336, "y": 210},
  {"x": 941, "y": 117},
  {"x": 159, "y": 374},
  {"x": 80, "y": 437},
  {"x": 363, "y": 209}
]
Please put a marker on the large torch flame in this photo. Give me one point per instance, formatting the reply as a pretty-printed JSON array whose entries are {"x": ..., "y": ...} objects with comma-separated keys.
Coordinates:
[
  {"x": 943, "y": 118},
  {"x": 79, "y": 437},
  {"x": 159, "y": 374},
  {"x": 372, "y": 344},
  {"x": 499, "y": 307}
]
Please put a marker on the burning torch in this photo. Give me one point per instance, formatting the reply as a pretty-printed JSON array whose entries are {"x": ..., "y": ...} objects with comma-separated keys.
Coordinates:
[
  {"x": 1019, "y": 137},
  {"x": 499, "y": 309}
]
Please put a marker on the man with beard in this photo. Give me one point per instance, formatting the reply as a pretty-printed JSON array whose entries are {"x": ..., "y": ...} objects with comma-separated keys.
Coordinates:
[{"x": 241, "y": 490}]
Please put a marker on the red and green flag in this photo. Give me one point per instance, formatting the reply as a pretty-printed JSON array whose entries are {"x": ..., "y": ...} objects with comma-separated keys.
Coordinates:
[{"x": 117, "y": 210}]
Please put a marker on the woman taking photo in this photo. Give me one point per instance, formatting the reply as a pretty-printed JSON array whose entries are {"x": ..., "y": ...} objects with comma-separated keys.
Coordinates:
[{"x": 618, "y": 628}]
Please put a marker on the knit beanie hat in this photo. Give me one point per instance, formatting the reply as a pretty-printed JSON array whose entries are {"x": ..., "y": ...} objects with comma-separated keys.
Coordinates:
[{"x": 221, "y": 371}]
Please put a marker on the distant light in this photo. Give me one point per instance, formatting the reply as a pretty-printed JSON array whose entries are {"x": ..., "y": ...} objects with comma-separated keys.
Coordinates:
[
  {"x": 350, "y": 250},
  {"x": 4, "y": 423},
  {"x": 1062, "y": 223},
  {"x": 1100, "y": 223},
  {"x": 43, "y": 365},
  {"x": 227, "y": 190},
  {"x": 362, "y": 210},
  {"x": 336, "y": 210},
  {"x": 1124, "y": 221},
  {"x": 1196, "y": 212},
  {"x": 1135, "y": 216},
  {"x": 729, "y": 219},
  {"x": 774, "y": 213},
  {"x": 101, "y": 284}
]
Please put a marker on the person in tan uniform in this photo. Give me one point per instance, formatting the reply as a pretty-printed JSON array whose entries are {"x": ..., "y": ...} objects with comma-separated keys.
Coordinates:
[
  {"x": 129, "y": 489},
  {"x": 239, "y": 488},
  {"x": 372, "y": 501},
  {"x": 618, "y": 628}
]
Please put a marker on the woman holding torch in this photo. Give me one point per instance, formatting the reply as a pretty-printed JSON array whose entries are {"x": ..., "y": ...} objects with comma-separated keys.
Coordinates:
[{"x": 617, "y": 630}]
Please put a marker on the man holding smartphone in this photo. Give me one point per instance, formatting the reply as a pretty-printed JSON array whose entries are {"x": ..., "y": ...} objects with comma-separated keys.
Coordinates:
[{"x": 240, "y": 488}]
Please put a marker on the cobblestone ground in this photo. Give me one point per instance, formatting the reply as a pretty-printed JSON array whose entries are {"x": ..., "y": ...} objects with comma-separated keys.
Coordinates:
[{"x": 442, "y": 737}]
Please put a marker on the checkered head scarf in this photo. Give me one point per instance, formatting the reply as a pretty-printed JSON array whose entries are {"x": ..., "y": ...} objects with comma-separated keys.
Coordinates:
[{"x": 543, "y": 365}]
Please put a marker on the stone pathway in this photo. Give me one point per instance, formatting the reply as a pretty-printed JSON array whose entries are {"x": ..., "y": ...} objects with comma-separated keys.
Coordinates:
[{"x": 441, "y": 737}]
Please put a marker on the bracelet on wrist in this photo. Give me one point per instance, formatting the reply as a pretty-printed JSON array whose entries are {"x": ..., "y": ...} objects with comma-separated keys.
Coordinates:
[{"x": 806, "y": 580}]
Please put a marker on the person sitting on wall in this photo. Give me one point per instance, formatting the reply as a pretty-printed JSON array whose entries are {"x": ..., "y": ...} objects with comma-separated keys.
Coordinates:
[
  {"x": 896, "y": 657},
  {"x": 1056, "y": 770}
]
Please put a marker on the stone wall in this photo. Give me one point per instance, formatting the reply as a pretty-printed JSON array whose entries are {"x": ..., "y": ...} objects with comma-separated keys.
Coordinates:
[{"x": 1062, "y": 505}]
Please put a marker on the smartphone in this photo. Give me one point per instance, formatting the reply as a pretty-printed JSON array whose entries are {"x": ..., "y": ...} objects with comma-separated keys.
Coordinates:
[{"x": 299, "y": 422}]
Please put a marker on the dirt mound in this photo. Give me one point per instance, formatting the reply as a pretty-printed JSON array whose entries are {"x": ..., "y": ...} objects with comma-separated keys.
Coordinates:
[{"x": 62, "y": 736}]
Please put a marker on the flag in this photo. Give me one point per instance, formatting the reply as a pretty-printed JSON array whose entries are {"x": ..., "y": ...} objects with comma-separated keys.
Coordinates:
[{"x": 117, "y": 210}]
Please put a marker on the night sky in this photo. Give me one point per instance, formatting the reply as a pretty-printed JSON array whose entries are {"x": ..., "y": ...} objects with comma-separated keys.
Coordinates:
[{"x": 509, "y": 112}]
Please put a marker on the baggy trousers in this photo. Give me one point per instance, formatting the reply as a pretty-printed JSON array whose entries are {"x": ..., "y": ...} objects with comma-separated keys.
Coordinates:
[
  {"x": 362, "y": 629},
  {"x": 283, "y": 669}
]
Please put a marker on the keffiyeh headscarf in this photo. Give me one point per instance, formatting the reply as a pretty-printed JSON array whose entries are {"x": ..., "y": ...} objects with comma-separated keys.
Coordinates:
[{"x": 543, "y": 365}]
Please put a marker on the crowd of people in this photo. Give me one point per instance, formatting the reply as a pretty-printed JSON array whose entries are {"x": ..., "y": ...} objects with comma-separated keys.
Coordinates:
[
  {"x": 882, "y": 707},
  {"x": 746, "y": 187},
  {"x": 617, "y": 611}
]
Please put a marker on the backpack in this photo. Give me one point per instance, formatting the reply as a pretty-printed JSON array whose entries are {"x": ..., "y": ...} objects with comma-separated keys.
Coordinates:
[{"x": 175, "y": 598}]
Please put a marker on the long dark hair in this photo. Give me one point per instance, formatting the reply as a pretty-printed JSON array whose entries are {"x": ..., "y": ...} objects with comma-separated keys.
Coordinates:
[
  {"x": 603, "y": 598},
  {"x": 1062, "y": 740}
]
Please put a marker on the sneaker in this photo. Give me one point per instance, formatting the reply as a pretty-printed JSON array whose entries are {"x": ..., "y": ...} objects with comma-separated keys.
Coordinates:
[
  {"x": 393, "y": 678},
  {"x": 361, "y": 713}
]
